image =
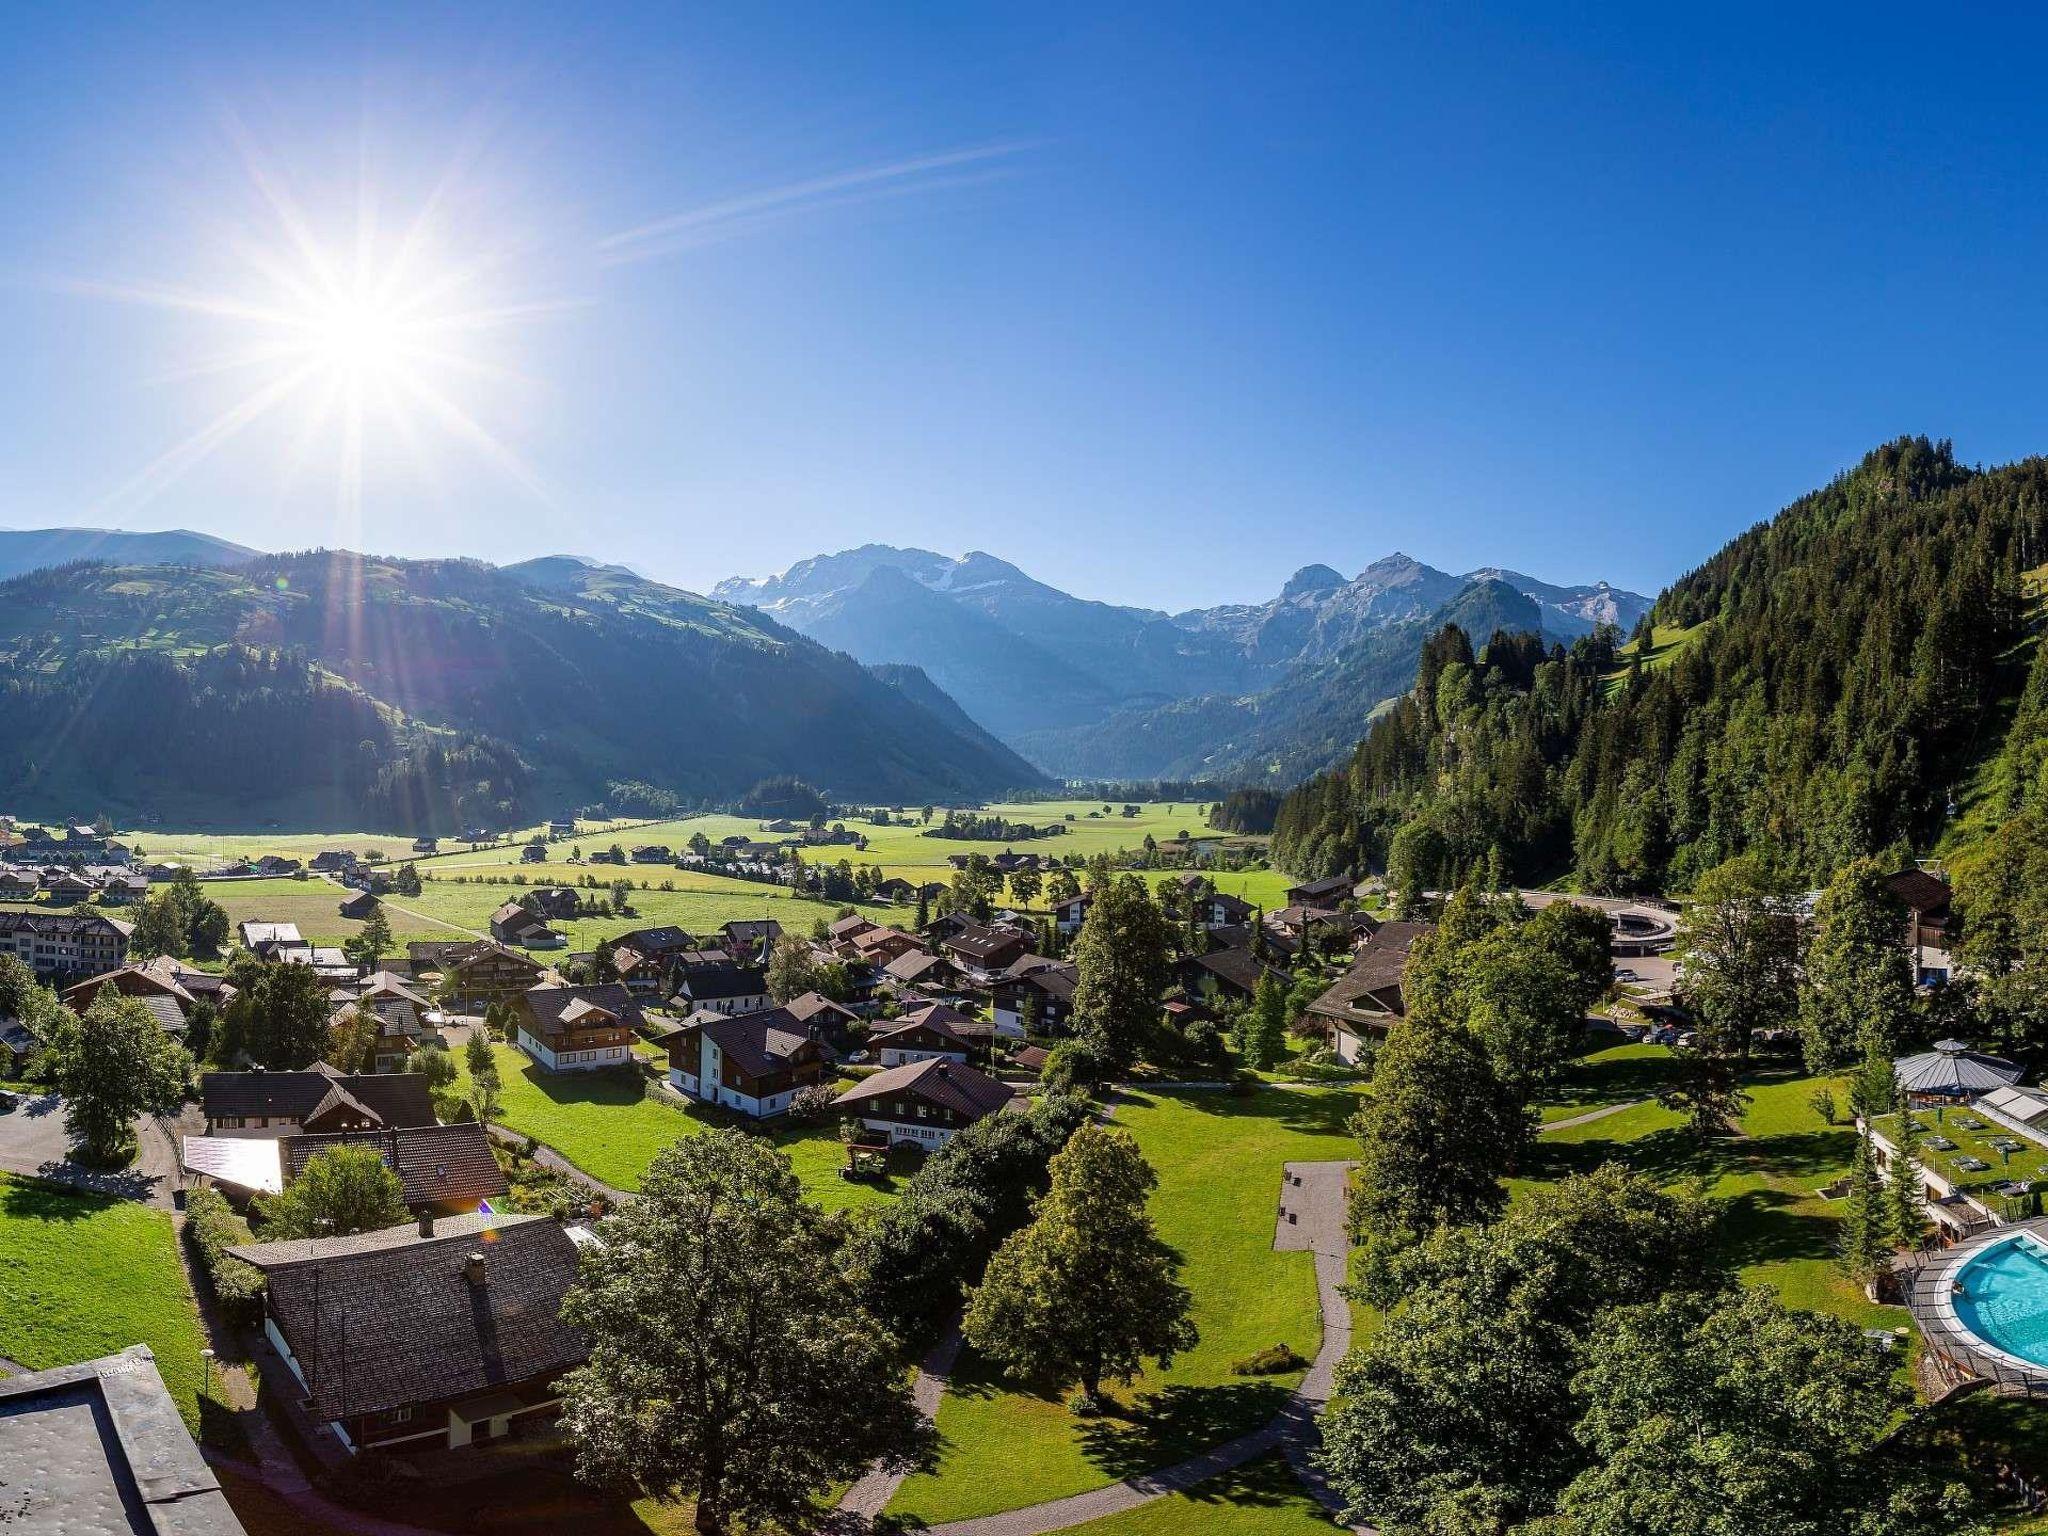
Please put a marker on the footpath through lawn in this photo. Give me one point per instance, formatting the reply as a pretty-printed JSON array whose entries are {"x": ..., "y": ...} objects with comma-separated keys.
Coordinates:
[{"x": 1219, "y": 1160}]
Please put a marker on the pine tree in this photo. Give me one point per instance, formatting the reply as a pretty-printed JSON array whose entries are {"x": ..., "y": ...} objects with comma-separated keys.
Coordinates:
[
  {"x": 1907, "y": 1220},
  {"x": 1865, "y": 1245}
]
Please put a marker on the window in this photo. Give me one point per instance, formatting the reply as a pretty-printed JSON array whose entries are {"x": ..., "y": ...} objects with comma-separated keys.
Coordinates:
[{"x": 402, "y": 1415}]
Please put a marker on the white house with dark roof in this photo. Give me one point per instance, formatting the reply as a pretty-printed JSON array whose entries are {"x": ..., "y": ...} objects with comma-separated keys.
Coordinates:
[
  {"x": 926, "y": 1103},
  {"x": 755, "y": 1063}
]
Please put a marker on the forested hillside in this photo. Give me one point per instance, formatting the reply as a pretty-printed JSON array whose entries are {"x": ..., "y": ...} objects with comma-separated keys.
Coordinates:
[
  {"x": 1825, "y": 685},
  {"x": 427, "y": 694}
]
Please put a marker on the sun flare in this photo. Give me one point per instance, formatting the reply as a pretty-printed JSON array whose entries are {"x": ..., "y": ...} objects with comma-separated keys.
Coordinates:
[{"x": 369, "y": 343}]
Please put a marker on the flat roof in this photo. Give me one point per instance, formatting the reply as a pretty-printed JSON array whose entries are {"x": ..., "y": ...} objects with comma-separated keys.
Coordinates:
[{"x": 98, "y": 1449}]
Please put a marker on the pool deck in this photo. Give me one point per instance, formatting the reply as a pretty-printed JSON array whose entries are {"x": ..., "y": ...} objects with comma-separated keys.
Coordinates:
[{"x": 1930, "y": 1296}]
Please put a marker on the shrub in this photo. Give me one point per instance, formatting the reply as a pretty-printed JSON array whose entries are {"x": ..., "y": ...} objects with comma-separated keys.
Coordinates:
[
  {"x": 813, "y": 1103},
  {"x": 212, "y": 1227},
  {"x": 1277, "y": 1361}
]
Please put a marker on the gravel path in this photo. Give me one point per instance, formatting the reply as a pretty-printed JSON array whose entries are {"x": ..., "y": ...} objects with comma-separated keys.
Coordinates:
[
  {"x": 1310, "y": 1218},
  {"x": 871, "y": 1495},
  {"x": 548, "y": 1157}
]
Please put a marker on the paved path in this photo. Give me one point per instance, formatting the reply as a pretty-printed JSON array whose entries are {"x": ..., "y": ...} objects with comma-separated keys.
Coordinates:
[
  {"x": 871, "y": 1495},
  {"x": 1311, "y": 1218},
  {"x": 1591, "y": 1115}
]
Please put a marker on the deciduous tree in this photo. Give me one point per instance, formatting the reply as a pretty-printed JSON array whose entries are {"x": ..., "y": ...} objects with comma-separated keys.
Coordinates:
[
  {"x": 1121, "y": 962},
  {"x": 1087, "y": 1290},
  {"x": 113, "y": 1065},
  {"x": 730, "y": 1360},
  {"x": 340, "y": 1190}
]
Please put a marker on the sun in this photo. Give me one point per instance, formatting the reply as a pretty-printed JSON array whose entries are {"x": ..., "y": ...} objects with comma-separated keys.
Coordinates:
[
  {"x": 359, "y": 337},
  {"x": 366, "y": 340}
]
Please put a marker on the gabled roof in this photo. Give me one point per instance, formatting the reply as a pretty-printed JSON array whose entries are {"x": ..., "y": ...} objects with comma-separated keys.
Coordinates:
[
  {"x": 934, "y": 1032},
  {"x": 1329, "y": 887},
  {"x": 1240, "y": 967},
  {"x": 380, "y": 1327},
  {"x": 436, "y": 1164},
  {"x": 549, "y": 1008},
  {"x": 712, "y": 983},
  {"x": 913, "y": 965},
  {"x": 949, "y": 1084},
  {"x": 758, "y": 1043},
  {"x": 814, "y": 1005},
  {"x": 396, "y": 1098},
  {"x": 1920, "y": 891}
]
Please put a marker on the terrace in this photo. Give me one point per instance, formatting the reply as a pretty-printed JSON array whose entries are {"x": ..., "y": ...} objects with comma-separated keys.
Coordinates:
[{"x": 1978, "y": 1154}]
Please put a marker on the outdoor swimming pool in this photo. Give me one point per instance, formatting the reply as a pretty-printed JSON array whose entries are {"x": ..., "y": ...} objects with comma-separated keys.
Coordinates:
[{"x": 2006, "y": 1297}]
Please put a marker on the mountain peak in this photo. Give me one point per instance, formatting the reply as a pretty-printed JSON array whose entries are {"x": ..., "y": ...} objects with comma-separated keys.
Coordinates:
[{"x": 1311, "y": 578}]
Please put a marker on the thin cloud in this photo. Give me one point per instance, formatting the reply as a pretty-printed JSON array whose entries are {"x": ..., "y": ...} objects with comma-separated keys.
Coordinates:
[{"x": 735, "y": 216}]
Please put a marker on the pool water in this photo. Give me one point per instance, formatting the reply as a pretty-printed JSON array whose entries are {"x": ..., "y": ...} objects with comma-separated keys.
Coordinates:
[{"x": 2006, "y": 1300}]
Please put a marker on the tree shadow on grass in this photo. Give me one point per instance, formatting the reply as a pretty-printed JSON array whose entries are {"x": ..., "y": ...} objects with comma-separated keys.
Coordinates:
[
  {"x": 609, "y": 1088},
  {"x": 1158, "y": 1429},
  {"x": 1760, "y": 1227},
  {"x": 33, "y": 1199},
  {"x": 1303, "y": 1112}
]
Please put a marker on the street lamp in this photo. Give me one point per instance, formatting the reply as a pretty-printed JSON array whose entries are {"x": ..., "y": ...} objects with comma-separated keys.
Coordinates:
[{"x": 206, "y": 1372}]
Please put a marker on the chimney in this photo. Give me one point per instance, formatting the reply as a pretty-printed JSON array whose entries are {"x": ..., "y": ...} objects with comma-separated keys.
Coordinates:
[
  {"x": 473, "y": 1271},
  {"x": 426, "y": 1223}
]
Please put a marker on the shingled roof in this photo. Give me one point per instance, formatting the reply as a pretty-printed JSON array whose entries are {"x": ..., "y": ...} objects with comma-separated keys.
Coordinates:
[
  {"x": 380, "y": 1327},
  {"x": 435, "y": 1164},
  {"x": 939, "y": 1081}
]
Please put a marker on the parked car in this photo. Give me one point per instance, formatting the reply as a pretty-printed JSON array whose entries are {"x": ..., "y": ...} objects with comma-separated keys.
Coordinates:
[{"x": 1625, "y": 974}]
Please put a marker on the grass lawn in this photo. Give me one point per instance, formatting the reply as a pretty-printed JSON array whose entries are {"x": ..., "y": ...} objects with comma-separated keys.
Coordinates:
[
  {"x": 1973, "y": 1136},
  {"x": 88, "y": 1275},
  {"x": 1219, "y": 1160},
  {"x": 1776, "y": 1230},
  {"x": 605, "y": 1124},
  {"x": 1261, "y": 1498},
  {"x": 1666, "y": 641},
  {"x": 1617, "y": 1075}
]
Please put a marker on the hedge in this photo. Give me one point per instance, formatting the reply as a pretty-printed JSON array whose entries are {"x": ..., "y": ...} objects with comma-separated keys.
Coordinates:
[{"x": 213, "y": 1227}]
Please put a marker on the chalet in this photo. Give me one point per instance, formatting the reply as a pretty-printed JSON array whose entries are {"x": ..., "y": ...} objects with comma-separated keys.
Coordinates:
[
  {"x": 751, "y": 937},
  {"x": 119, "y": 888},
  {"x": 276, "y": 864},
  {"x": 1231, "y": 974},
  {"x": 319, "y": 1098},
  {"x": 1925, "y": 896},
  {"x": 834, "y": 1022},
  {"x": 264, "y": 940},
  {"x": 554, "y": 901},
  {"x": 925, "y": 1103},
  {"x": 156, "y": 987},
  {"x": 1366, "y": 1001},
  {"x": 357, "y": 908},
  {"x": 667, "y": 939},
  {"x": 1032, "y": 1058},
  {"x": 562, "y": 827},
  {"x": 918, "y": 969},
  {"x": 426, "y": 845},
  {"x": 513, "y": 924},
  {"x": 1326, "y": 892},
  {"x": 878, "y": 946},
  {"x": 17, "y": 1043},
  {"x": 897, "y": 1045},
  {"x": 64, "y": 943},
  {"x": 728, "y": 988},
  {"x": 985, "y": 950},
  {"x": 896, "y": 889},
  {"x": 534, "y": 853},
  {"x": 441, "y": 1168},
  {"x": 653, "y": 853},
  {"x": 754, "y": 1064},
  {"x": 1034, "y": 996},
  {"x": 401, "y": 1014},
  {"x": 1069, "y": 915},
  {"x": 67, "y": 887},
  {"x": 965, "y": 1025},
  {"x": 844, "y": 931},
  {"x": 331, "y": 861},
  {"x": 19, "y": 884},
  {"x": 486, "y": 971},
  {"x": 949, "y": 925},
  {"x": 438, "y": 1336},
  {"x": 577, "y": 1029}
]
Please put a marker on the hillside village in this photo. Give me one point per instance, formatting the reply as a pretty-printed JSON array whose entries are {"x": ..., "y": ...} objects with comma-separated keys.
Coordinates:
[{"x": 434, "y": 1133}]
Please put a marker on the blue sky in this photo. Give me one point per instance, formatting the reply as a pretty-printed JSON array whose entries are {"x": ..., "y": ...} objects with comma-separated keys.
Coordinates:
[{"x": 1160, "y": 303}]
